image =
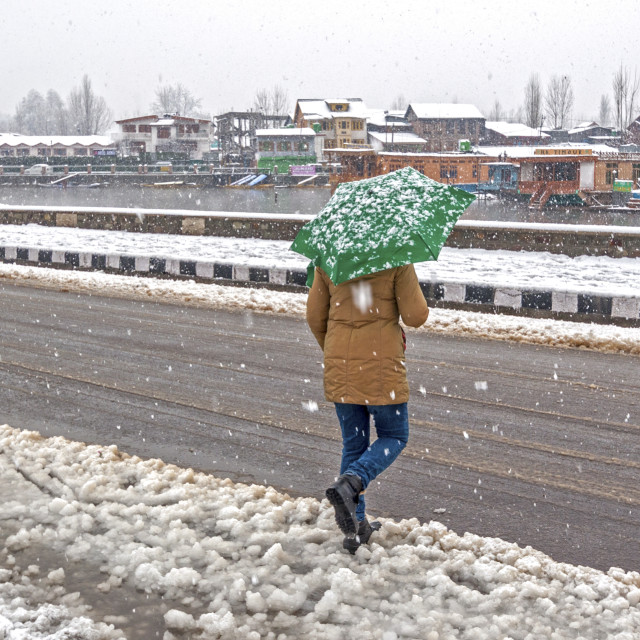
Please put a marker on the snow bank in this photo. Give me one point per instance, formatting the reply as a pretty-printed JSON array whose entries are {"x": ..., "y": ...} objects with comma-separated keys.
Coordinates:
[
  {"x": 540, "y": 270},
  {"x": 246, "y": 562},
  {"x": 605, "y": 338}
]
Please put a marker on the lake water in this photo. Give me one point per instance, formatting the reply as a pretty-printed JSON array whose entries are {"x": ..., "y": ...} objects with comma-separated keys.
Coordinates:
[{"x": 288, "y": 200}]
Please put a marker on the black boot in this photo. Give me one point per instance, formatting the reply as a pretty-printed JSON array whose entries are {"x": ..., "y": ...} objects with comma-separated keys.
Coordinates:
[
  {"x": 365, "y": 529},
  {"x": 343, "y": 496}
]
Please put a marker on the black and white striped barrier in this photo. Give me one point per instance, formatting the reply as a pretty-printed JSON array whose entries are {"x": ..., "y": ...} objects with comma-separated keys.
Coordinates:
[{"x": 566, "y": 305}]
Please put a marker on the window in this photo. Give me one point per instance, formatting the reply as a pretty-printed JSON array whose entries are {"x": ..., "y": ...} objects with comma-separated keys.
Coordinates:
[
  {"x": 303, "y": 146},
  {"x": 450, "y": 124},
  {"x": 265, "y": 145},
  {"x": 448, "y": 173},
  {"x": 566, "y": 171},
  {"x": 59, "y": 152},
  {"x": 164, "y": 132},
  {"x": 344, "y": 124},
  {"x": 144, "y": 128},
  {"x": 79, "y": 152},
  {"x": 6, "y": 152},
  {"x": 284, "y": 146},
  {"x": 22, "y": 152},
  {"x": 44, "y": 151},
  {"x": 472, "y": 128},
  {"x": 635, "y": 172},
  {"x": 612, "y": 172},
  {"x": 129, "y": 128},
  {"x": 356, "y": 125},
  {"x": 461, "y": 126},
  {"x": 327, "y": 125}
]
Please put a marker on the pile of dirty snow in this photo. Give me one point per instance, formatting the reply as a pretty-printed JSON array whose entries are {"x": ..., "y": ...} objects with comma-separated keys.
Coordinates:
[{"x": 246, "y": 562}]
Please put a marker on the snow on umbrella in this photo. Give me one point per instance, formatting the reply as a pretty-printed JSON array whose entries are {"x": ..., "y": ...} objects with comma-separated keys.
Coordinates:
[{"x": 383, "y": 222}]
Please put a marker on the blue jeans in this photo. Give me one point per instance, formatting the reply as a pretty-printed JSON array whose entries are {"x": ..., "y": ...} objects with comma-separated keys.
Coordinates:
[{"x": 361, "y": 458}]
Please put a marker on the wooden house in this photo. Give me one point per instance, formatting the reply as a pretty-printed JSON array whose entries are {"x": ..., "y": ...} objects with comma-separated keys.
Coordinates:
[
  {"x": 556, "y": 172},
  {"x": 578, "y": 174},
  {"x": 513, "y": 134},
  {"x": 633, "y": 132},
  {"x": 460, "y": 169},
  {"x": 593, "y": 133},
  {"x": 443, "y": 126},
  {"x": 340, "y": 123}
]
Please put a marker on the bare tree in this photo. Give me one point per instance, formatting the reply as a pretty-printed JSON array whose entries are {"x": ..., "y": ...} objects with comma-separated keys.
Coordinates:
[
  {"x": 515, "y": 115},
  {"x": 31, "y": 114},
  {"x": 279, "y": 101},
  {"x": 262, "y": 101},
  {"x": 604, "y": 116},
  {"x": 625, "y": 94},
  {"x": 88, "y": 113},
  {"x": 558, "y": 101},
  {"x": 6, "y": 123},
  {"x": 533, "y": 102},
  {"x": 176, "y": 99},
  {"x": 400, "y": 103},
  {"x": 497, "y": 113},
  {"x": 271, "y": 103},
  {"x": 57, "y": 114}
]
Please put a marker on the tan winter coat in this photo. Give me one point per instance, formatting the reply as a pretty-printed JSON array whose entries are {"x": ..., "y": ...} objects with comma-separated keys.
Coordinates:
[{"x": 356, "y": 325}]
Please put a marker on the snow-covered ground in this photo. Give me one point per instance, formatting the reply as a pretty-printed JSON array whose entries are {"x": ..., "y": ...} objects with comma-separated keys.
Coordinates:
[
  {"x": 603, "y": 276},
  {"x": 243, "y": 562},
  {"x": 246, "y": 562}
]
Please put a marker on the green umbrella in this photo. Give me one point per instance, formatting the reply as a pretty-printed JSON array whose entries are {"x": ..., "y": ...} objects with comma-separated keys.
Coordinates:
[{"x": 379, "y": 223}]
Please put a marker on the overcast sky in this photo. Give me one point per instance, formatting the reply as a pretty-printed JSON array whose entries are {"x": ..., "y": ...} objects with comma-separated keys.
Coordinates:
[{"x": 224, "y": 51}]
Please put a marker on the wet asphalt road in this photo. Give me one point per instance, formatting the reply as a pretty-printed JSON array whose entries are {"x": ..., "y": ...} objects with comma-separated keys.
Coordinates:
[{"x": 535, "y": 445}]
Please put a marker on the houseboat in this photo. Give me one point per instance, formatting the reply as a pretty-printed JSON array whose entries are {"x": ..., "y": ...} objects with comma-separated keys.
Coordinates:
[
  {"x": 459, "y": 169},
  {"x": 575, "y": 175}
]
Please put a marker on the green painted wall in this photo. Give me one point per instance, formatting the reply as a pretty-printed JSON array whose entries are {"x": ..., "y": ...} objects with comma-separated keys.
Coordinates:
[{"x": 284, "y": 162}]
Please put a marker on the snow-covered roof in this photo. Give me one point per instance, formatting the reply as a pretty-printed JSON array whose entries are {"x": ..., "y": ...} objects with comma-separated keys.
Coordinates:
[
  {"x": 163, "y": 122},
  {"x": 437, "y": 110},
  {"x": 379, "y": 118},
  {"x": 512, "y": 152},
  {"x": 319, "y": 109},
  {"x": 16, "y": 139},
  {"x": 514, "y": 130},
  {"x": 154, "y": 119},
  {"x": 397, "y": 137},
  {"x": 290, "y": 131},
  {"x": 528, "y": 152},
  {"x": 583, "y": 126}
]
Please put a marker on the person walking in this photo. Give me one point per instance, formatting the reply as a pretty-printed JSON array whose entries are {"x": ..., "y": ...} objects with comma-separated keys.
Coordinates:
[{"x": 356, "y": 324}]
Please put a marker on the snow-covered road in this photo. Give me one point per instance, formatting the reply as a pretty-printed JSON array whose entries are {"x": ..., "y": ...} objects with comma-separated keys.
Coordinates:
[
  {"x": 606, "y": 338},
  {"x": 239, "y": 562}
]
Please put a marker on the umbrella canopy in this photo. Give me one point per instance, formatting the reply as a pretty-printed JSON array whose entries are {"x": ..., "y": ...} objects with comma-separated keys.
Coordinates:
[{"x": 379, "y": 223}]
